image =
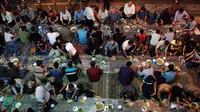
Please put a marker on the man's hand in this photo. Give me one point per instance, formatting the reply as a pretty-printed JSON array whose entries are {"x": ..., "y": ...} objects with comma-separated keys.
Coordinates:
[{"x": 153, "y": 94}]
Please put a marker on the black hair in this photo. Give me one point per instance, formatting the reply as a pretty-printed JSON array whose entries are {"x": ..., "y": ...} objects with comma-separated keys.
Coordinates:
[
  {"x": 117, "y": 30},
  {"x": 56, "y": 65},
  {"x": 141, "y": 31},
  {"x": 130, "y": 41},
  {"x": 80, "y": 87},
  {"x": 70, "y": 64},
  {"x": 11, "y": 82},
  {"x": 71, "y": 86},
  {"x": 50, "y": 11},
  {"x": 16, "y": 110},
  {"x": 58, "y": 38},
  {"x": 39, "y": 10},
  {"x": 192, "y": 18},
  {"x": 92, "y": 64},
  {"x": 181, "y": 10},
  {"x": 158, "y": 31},
  {"x": 23, "y": 28},
  {"x": 128, "y": 64},
  {"x": 143, "y": 8},
  {"x": 171, "y": 30},
  {"x": 30, "y": 110},
  {"x": 38, "y": 62},
  {"x": 50, "y": 29},
  {"x": 33, "y": 29},
  {"x": 171, "y": 67},
  {"x": 166, "y": 42},
  {"x": 7, "y": 29},
  {"x": 33, "y": 79},
  {"x": 10, "y": 65}
]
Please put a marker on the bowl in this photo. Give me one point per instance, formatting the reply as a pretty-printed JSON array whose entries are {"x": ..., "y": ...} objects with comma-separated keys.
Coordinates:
[
  {"x": 8, "y": 101},
  {"x": 98, "y": 58},
  {"x": 80, "y": 109},
  {"x": 14, "y": 61},
  {"x": 110, "y": 107},
  {"x": 134, "y": 26},
  {"x": 99, "y": 106},
  {"x": 102, "y": 63},
  {"x": 18, "y": 105},
  {"x": 126, "y": 28},
  {"x": 148, "y": 61},
  {"x": 159, "y": 61},
  {"x": 73, "y": 29},
  {"x": 75, "y": 109}
]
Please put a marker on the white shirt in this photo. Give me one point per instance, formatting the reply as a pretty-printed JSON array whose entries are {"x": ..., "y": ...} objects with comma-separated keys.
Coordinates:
[
  {"x": 41, "y": 94},
  {"x": 8, "y": 37},
  {"x": 129, "y": 10},
  {"x": 125, "y": 45},
  {"x": 181, "y": 17},
  {"x": 154, "y": 39},
  {"x": 8, "y": 17},
  {"x": 146, "y": 72},
  {"x": 169, "y": 36},
  {"x": 88, "y": 12},
  {"x": 52, "y": 37},
  {"x": 70, "y": 48},
  {"x": 160, "y": 44},
  {"x": 102, "y": 15},
  {"x": 65, "y": 16}
]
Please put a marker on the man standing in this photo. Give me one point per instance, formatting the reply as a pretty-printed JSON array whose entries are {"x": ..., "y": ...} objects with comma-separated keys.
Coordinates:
[
  {"x": 126, "y": 74},
  {"x": 89, "y": 15},
  {"x": 73, "y": 54},
  {"x": 94, "y": 72},
  {"x": 129, "y": 11}
]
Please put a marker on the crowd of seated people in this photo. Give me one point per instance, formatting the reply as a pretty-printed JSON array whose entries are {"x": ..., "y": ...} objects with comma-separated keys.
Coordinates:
[{"x": 181, "y": 40}]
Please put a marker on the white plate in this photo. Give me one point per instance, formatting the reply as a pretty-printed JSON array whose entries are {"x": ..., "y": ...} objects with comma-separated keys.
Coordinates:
[
  {"x": 18, "y": 105},
  {"x": 1, "y": 99},
  {"x": 14, "y": 61},
  {"x": 160, "y": 63},
  {"x": 71, "y": 29},
  {"x": 127, "y": 27}
]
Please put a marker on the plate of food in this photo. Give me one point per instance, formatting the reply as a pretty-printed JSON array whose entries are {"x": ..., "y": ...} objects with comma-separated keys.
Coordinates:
[
  {"x": 98, "y": 58},
  {"x": 151, "y": 31},
  {"x": 14, "y": 61},
  {"x": 178, "y": 68},
  {"x": 148, "y": 61},
  {"x": 99, "y": 106},
  {"x": 73, "y": 29},
  {"x": 18, "y": 105},
  {"x": 80, "y": 109},
  {"x": 102, "y": 63},
  {"x": 159, "y": 61},
  {"x": 107, "y": 27},
  {"x": 134, "y": 26},
  {"x": 57, "y": 60},
  {"x": 126, "y": 28},
  {"x": 110, "y": 107},
  {"x": 8, "y": 101},
  {"x": 195, "y": 104},
  {"x": 60, "y": 97}
]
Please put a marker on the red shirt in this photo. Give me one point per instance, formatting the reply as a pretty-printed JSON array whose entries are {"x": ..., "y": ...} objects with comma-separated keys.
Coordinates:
[
  {"x": 141, "y": 38},
  {"x": 94, "y": 74}
]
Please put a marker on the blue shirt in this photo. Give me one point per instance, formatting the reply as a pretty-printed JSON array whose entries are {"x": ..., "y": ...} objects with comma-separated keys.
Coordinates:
[
  {"x": 55, "y": 73},
  {"x": 111, "y": 47},
  {"x": 146, "y": 72},
  {"x": 78, "y": 15},
  {"x": 126, "y": 75},
  {"x": 169, "y": 76},
  {"x": 82, "y": 36},
  {"x": 141, "y": 15}
]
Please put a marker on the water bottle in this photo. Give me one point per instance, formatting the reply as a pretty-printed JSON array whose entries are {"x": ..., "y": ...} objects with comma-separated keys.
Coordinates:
[
  {"x": 40, "y": 29},
  {"x": 76, "y": 98}
]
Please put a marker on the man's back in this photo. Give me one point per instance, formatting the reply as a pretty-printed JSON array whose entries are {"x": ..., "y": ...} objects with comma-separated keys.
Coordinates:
[
  {"x": 52, "y": 37},
  {"x": 82, "y": 36},
  {"x": 94, "y": 73},
  {"x": 24, "y": 37},
  {"x": 126, "y": 75},
  {"x": 154, "y": 39}
]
